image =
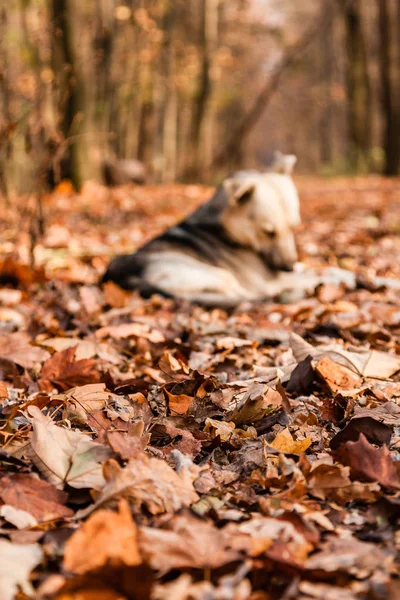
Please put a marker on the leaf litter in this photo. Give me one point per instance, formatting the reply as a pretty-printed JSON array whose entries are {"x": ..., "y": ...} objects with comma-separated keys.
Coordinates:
[{"x": 151, "y": 449}]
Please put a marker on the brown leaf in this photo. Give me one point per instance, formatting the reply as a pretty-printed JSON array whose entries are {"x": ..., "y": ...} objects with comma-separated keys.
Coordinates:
[
  {"x": 336, "y": 377},
  {"x": 129, "y": 445},
  {"x": 107, "y": 538},
  {"x": 348, "y": 555},
  {"x": 187, "y": 542},
  {"x": 39, "y": 498},
  {"x": 64, "y": 372},
  {"x": 375, "y": 432},
  {"x": 178, "y": 404},
  {"x": 17, "y": 347},
  {"x": 65, "y": 456},
  {"x": 368, "y": 463},
  {"x": 145, "y": 482},
  {"x": 126, "y": 330}
]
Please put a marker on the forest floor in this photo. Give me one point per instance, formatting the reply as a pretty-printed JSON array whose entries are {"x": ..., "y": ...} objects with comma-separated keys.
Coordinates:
[{"x": 151, "y": 449}]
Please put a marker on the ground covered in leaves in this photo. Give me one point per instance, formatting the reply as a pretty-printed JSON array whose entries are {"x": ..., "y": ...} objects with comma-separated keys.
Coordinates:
[{"x": 150, "y": 449}]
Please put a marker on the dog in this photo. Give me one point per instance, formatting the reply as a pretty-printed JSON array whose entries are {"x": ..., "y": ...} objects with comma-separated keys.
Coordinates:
[{"x": 239, "y": 246}]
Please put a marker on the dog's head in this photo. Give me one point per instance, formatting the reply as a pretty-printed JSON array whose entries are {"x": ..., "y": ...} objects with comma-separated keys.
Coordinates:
[{"x": 262, "y": 210}]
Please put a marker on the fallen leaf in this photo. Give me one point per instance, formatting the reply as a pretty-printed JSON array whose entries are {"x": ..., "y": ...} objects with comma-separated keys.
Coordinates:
[
  {"x": 81, "y": 401},
  {"x": 65, "y": 456},
  {"x": 178, "y": 404},
  {"x": 17, "y": 517},
  {"x": 17, "y": 347},
  {"x": 16, "y": 563},
  {"x": 145, "y": 482},
  {"x": 106, "y": 538},
  {"x": 64, "y": 372},
  {"x": 126, "y": 330},
  {"x": 368, "y": 463},
  {"x": 284, "y": 442},
  {"x": 84, "y": 348},
  {"x": 336, "y": 377},
  {"x": 375, "y": 432},
  {"x": 36, "y": 497},
  {"x": 187, "y": 542},
  {"x": 368, "y": 363},
  {"x": 347, "y": 555}
]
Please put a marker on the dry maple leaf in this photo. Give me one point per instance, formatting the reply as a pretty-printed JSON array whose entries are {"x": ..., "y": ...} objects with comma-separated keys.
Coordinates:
[
  {"x": 145, "y": 481},
  {"x": 368, "y": 463},
  {"x": 64, "y": 372},
  {"x": 36, "y": 497},
  {"x": 106, "y": 538},
  {"x": 65, "y": 456},
  {"x": 16, "y": 564}
]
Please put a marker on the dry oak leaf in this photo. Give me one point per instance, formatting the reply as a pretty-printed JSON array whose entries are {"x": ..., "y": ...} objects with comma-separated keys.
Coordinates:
[
  {"x": 64, "y": 372},
  {"x": 368, "y": 463},
  {"x": 145, "y": 481},
  {"x": 187, "y": 542},
  {"x": 16, "y": 563},
  {"x": 65, "y": 456},
  {"x": 107, "y": 538},
  {"x": 34, "y": 496},
  {"x": 17, "y": 348},
  {"x": 284, "y": 442}
]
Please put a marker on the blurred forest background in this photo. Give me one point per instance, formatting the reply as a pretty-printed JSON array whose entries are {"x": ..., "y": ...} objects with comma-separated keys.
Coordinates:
[{"x": 194, "y": 88}]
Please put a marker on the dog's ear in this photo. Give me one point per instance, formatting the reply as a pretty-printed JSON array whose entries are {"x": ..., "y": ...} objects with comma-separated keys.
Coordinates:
[
  {"x": 238, "y": 192},
  {"x": 284, "y": 163}
]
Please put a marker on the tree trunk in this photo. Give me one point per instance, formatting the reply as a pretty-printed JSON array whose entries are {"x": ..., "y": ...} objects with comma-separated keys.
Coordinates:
[
  {"x": 390, "y": 113},
  {"x": 358, "y": 87},
  {"x": 67, "y": 76},
  {"x": 326, "y": 74}
]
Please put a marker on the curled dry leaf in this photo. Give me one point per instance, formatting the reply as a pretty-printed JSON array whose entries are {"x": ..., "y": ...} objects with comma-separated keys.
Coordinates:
[
  {"x": 16, "y": 563},
  {"x": 106, "y": 538},
  {"x": 145, "y": 482},
  {"x": 336, "y": 377},
  {"x": 65, "y": 456},
  {"x": 367, "y": 363}
]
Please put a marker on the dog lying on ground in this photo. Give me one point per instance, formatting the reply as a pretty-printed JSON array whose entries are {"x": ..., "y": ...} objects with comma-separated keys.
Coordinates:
[{"x": 238, "y": 246}]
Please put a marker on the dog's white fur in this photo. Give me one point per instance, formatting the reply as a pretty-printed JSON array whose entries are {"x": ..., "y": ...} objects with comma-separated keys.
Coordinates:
[{"x": 236, "y": 247}]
